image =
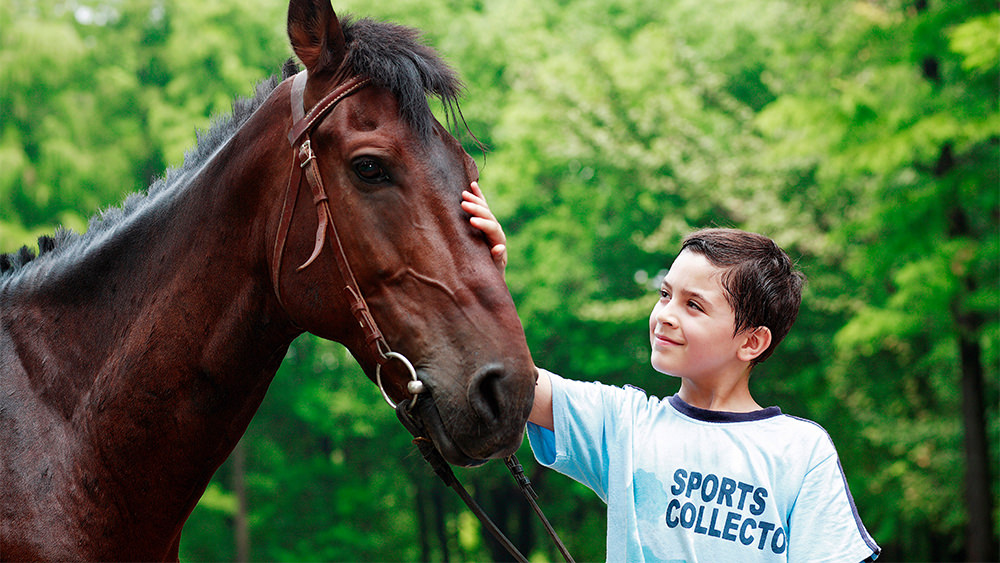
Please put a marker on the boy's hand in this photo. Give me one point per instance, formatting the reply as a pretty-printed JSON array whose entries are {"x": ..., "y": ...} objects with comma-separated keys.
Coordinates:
[{"x": 474, "y": 203}]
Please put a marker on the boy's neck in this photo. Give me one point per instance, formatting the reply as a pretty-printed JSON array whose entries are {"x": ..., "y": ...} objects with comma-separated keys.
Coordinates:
[{"x": 727, "y": 396}]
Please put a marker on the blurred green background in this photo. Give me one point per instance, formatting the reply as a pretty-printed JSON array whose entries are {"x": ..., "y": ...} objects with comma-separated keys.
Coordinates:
[{"x": 863, "y": 136}]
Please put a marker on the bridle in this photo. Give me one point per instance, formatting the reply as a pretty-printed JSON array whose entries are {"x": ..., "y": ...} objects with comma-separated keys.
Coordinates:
[{"x": 304, "y": 164}]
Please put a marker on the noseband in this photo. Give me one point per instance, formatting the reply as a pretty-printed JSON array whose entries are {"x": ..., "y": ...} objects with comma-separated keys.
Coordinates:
[{"x": 304, "y": 163}]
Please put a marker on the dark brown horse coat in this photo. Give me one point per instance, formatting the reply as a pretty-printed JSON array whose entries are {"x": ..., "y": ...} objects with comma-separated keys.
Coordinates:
[{"x": 132, "y": 358}]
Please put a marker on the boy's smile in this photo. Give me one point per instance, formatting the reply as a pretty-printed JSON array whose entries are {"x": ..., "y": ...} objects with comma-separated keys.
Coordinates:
[{"x": 691, "y": 326}]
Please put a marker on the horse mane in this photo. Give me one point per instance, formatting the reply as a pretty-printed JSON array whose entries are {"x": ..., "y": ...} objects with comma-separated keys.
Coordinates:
[
  {"x": 392, "y": 55},
  {"x": 221, "y": 130}
]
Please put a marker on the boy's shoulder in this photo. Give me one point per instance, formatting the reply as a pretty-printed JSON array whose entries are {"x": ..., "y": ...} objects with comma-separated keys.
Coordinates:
[
  {"x": 635, "y": 388},
  {"x": 631, "y": 406},
  {"x": 768, "y": 425},
  {"x": 803, "y": 429}
]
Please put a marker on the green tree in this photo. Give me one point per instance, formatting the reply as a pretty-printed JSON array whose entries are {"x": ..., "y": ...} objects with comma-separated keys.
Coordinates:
[
  {"x": 863, "y": 136},
  {"x": 903, "y": 147},
  {"x": 99, "y": 97}
]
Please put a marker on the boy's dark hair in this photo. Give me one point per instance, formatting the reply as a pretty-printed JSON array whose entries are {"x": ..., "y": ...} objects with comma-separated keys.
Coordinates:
[{"x": 761, "y": 283}]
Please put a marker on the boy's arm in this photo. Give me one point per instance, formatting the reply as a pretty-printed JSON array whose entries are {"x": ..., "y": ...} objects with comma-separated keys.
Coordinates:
[
  {"x": 474, "y": 203},
  {"x": 541, "y": 409},
  {"x": 824, "y": 520}
]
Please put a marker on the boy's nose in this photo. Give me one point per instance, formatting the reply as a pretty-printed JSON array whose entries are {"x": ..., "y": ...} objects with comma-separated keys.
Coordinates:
[{"x": 664, "y": 315}]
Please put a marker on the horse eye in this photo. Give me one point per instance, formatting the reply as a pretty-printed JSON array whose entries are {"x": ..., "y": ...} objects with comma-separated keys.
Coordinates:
[{"x": 369, "y": 170}]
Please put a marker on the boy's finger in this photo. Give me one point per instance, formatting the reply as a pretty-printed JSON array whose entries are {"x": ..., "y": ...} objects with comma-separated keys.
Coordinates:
[
  {"x": 477, "y": 191},
  {"x": 469, "y": 197},
  {"x": 489, "y": 227},
  {"x": 494, "y": 234},
  {"x": 478, "y": 211}
]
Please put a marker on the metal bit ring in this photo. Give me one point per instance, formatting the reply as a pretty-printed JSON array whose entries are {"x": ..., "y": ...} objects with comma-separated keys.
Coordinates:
[{"x": 414, "y": 386}]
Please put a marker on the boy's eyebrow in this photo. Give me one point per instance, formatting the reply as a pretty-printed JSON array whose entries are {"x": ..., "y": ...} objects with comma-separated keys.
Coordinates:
[{"x": 688, "y": 292}]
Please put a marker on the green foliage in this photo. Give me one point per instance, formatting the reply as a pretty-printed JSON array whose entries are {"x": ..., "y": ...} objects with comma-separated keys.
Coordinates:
[
  {"x": 98, "y": 98},
  {"x": 863, "y": 136},
  {"x": 907, "y": 148}
]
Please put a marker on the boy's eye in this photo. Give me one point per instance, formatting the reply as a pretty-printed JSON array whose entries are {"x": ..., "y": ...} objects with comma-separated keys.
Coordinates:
[
  {"x": 664, "y": 294},
  {"x": 695, "y": 305}
]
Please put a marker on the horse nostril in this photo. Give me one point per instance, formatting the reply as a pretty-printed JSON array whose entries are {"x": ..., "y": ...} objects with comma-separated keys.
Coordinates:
[{"x": 486, "y": 390}]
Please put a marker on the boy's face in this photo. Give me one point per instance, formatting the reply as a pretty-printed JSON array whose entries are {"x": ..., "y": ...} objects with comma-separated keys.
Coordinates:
[{"x": 691, "y": 326}]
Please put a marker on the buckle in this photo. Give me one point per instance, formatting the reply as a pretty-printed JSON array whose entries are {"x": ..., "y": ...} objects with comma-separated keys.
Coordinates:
[{"x": 306, "y": 153}]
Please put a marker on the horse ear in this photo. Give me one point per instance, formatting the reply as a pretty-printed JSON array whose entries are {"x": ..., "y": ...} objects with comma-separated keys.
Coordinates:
[{"x": 315, "y": 34}]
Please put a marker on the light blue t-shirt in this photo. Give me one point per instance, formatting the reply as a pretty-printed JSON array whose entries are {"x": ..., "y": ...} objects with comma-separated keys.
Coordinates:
[{"x": 687, "y": 484}]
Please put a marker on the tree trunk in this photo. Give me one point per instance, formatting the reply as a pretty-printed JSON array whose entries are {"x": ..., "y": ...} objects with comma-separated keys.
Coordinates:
[
  {"x": 422, "y": 520},
  {"x": 979, "y": 539},
  {"x": 498, "y": 510},
  {"x": 241, "y": 528},
  {"x": 978, "y": 496},
  {"x": 440, "y": 526}
]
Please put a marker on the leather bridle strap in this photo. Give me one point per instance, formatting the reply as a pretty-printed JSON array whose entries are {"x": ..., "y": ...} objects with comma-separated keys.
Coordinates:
[
  {"x": 304, "y": 124},
  {"x": 304, "y": 164}
]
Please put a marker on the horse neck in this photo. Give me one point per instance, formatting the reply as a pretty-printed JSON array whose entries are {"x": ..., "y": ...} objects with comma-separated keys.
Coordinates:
[{"x": 154, "y": 347}]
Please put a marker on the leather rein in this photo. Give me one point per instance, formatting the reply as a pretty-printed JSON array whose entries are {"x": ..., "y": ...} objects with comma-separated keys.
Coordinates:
[{"x": 304, "y": 164}]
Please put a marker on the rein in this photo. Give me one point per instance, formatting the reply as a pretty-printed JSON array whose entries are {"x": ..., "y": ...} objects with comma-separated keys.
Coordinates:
[
  {"x": 304, "y": 164},
  {"x": 433, "y": 458}
]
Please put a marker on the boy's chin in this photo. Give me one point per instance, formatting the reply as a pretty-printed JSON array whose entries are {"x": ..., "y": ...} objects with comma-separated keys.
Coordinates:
[{"x": 662, "y": 367}]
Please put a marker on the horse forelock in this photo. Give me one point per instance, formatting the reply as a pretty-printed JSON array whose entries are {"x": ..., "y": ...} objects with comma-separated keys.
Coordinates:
[
  {"x": 207, "y": 142},
  {"x": 395, "y": 57}
]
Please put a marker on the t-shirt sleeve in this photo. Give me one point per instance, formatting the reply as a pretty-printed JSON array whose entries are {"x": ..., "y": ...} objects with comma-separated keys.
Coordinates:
[
  {"x": 583, "y": 416},
  {"x": 824, "y": 524}
]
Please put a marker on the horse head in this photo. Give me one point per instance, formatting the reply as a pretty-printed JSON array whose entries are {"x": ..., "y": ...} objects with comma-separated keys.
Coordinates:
[{"x": 378, "y": 255}]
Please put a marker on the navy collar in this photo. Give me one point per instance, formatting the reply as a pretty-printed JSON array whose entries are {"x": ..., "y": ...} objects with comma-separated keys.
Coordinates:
[{"x": 721, "y": 416}]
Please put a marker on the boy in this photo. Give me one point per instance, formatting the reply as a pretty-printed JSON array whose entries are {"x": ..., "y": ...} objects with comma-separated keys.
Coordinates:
[{"x": 706, "y": 474}]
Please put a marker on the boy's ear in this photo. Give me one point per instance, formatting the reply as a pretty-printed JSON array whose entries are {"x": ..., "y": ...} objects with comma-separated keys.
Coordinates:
[{"x": 756, "y": 341}]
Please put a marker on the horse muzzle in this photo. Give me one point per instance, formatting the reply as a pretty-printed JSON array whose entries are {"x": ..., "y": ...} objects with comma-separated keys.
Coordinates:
[
  {"x": 487, "y": 428},
  {"x": 422, "y": 436}
]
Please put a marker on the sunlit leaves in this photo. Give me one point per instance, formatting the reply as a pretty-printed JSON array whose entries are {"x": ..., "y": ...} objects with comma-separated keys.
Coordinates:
[{"x": 863, "y": 136}]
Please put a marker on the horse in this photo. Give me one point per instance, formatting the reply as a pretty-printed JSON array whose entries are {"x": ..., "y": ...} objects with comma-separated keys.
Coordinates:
[{"x": 133, "y": 356}]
